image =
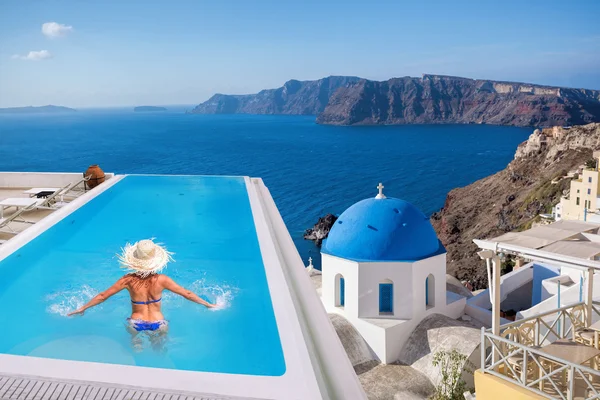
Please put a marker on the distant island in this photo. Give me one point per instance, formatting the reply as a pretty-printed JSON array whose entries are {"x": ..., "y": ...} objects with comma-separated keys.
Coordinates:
[
  {"x": 431, "y": 99},
  {"x": 149, "y": 109},
  {"x": 36, "y": 110},
  {"x": 293, "y": 98}
]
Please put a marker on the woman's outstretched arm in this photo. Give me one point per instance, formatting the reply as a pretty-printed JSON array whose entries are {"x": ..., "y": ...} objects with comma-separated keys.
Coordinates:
[
  {"x": 170, "y": 284},
  {"x": 99, "y": 298}
]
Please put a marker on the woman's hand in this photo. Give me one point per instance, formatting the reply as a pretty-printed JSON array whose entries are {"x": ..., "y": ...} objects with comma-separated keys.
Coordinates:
[{"x": 79, "y": 311}]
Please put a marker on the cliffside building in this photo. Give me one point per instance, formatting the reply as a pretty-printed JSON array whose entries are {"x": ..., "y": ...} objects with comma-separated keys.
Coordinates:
[
  {"x": 583, "y": 202},
  {"x": 384, "y": 270}
]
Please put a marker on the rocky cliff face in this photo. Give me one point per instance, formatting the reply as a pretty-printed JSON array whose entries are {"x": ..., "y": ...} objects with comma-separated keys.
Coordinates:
[
  {"x": 294, "y": 97},
  {"x": 512, "y": 198},
  {"x": 436, "y": 99}
]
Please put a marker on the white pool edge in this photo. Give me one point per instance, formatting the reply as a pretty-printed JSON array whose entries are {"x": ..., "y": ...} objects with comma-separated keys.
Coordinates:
[
  {"x": 305, "y": 376},
  {"x": 335, "y": 373}
]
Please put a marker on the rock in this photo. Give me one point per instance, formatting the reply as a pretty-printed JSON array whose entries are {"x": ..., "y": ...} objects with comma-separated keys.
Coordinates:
[
  {"x": 523, "y": 190},
  {"x": 436, "y": 99},
  {"x": 294, "y": 98},
  {"x": 321, "y": 229},
  {"x": 432, "y": 99}
]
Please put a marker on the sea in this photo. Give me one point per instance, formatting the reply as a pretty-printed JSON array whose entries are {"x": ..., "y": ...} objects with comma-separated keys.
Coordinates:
[{"x": 310, "y": 169}]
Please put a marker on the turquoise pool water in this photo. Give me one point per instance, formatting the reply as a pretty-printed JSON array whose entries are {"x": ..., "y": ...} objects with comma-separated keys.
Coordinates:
[{"x": 206, "y": 221}]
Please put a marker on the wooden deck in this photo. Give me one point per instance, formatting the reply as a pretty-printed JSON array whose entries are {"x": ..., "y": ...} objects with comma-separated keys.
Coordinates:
[{"x": 33, "y": 388}]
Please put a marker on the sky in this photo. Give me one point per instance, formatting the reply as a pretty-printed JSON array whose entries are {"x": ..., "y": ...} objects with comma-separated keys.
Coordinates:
[{"x": 101, "y": 53}]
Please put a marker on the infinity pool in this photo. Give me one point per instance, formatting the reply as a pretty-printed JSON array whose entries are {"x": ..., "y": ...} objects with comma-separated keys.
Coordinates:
[{"x": 206, "y": 221}]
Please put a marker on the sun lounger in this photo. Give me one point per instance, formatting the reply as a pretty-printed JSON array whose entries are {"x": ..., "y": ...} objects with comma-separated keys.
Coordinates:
[
  {"x": 50, "y": 203},
  {"x": 34, "y": 191},
  {"x": 17, "y": 202},
  {"x": 15, "y": 217},
  {"x": 72, "y": 190},
  {"x": 46, "y": 203}
]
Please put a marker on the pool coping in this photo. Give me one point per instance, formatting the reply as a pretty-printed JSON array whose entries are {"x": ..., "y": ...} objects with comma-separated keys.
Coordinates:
[{"x": 303, "y": 377}]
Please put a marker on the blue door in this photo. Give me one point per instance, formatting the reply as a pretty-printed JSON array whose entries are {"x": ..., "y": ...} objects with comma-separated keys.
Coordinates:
[
  {"x": 342, "y": 292},
  {"x": 427, "y": 291},
  {"x": 386, "y": 297}
]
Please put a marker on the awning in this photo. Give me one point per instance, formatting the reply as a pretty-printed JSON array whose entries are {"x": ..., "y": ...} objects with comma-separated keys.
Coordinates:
[{"x": 568, "y": 243}]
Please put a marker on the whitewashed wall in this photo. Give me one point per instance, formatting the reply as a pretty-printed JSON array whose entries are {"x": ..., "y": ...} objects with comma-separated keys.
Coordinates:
[
  {"x": 371, "y": 274},
  {"x": 331, "y": 266},
  {"x": 387, "y": 334},
  {"x": 421, "y": 269},
  {"x": 41, "y": 179}
]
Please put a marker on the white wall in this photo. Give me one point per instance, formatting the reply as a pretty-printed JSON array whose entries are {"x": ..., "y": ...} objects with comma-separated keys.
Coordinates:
[
  {"x": 331, "y": 266},
  {"x": 40, "y": 179},
  {"x": 421, "y": 269},
  {"x": 568, "y": 296},
  {"x": 573, "y": 273},
  {"x": 371, "y": 274}
]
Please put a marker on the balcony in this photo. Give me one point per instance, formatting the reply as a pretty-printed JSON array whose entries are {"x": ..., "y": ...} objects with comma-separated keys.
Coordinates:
[{"x": 551, "y": 355}]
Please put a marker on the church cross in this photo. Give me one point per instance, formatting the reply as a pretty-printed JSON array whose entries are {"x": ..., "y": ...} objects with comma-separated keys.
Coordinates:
[{"x": 380, "y": 195}]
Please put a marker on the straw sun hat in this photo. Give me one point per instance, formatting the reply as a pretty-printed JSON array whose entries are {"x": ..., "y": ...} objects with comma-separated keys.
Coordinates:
[{"x": 144, "y": 258}]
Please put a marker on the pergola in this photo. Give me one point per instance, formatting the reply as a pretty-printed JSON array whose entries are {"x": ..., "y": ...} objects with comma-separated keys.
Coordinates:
[{"x": 573, "y": 244}]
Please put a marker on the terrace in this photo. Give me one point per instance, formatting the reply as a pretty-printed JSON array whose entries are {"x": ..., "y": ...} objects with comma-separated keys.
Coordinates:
[
  {"x": 26, "y": 187},
  {"x": 554, "y": 353}
]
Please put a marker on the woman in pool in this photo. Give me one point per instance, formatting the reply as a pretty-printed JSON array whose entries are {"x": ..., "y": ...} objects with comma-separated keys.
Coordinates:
[{"x": 144, "y": 260}]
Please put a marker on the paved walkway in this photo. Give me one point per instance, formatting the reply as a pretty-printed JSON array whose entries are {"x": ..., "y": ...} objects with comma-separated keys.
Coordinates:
[{"x": 32, "y": 388}]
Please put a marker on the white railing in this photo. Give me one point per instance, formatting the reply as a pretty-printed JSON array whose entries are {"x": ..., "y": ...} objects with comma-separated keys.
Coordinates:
[
  {"x": 524, "y": 362},
  {"x": 532, "y": 369},
  {"x": 550, "y": 325}
]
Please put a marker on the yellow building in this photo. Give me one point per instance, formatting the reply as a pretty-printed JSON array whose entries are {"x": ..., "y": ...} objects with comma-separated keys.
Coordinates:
[{"x": 583, "y": 202}]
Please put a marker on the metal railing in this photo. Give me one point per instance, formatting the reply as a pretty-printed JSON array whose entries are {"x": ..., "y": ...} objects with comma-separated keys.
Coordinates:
[{"x": 523, "y": 362}]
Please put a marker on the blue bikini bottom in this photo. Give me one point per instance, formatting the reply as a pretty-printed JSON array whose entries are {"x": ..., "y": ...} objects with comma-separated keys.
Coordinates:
[{"x": 141, "y": 325}]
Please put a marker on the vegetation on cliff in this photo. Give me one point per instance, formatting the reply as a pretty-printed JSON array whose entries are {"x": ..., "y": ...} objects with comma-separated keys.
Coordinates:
[{"x": 513, "y": 198}]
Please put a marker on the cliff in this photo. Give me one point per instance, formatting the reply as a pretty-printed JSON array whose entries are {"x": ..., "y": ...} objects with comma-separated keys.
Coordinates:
[
  {"x": 513, "y": 198},
  {"x": 36, "y": 110},
  {"x": 294, "y": 98},
  {"x": 435, "y": 99}
]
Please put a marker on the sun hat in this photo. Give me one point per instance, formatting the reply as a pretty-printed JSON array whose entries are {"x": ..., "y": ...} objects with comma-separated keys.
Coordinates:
[{"x": 144, "y": 258}]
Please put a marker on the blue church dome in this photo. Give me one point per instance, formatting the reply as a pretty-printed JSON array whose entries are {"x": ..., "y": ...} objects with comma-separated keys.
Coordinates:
[{"x": 382, "y": 229}]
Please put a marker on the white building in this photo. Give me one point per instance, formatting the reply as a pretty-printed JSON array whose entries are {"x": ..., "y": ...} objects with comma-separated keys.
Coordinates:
[{"x": 384, "y": 270}]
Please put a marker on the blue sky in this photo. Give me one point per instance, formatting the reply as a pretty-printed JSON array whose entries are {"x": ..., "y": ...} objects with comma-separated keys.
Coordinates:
[{"x": 121, "y": 53}]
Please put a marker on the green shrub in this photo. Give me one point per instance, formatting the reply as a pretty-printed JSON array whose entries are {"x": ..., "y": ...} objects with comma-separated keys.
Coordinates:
[
  {"x": 451, "y": 365},
  {"x": 591, "y": 163}
]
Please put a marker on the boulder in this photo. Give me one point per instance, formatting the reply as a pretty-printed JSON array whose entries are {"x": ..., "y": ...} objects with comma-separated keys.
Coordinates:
[{"x": 321, "y": 229}]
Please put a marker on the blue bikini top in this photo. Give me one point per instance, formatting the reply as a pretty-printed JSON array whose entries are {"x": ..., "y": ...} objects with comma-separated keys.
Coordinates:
[{"x": 146, "y": 302}]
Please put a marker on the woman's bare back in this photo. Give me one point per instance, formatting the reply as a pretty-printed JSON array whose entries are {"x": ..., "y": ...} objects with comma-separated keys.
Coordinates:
[
  {"x": 144, "y": 290},
  {"x": 146, "y": 296}
]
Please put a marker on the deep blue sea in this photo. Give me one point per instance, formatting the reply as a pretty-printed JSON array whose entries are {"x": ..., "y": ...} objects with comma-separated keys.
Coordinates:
[{"x": 310, "y": 169}]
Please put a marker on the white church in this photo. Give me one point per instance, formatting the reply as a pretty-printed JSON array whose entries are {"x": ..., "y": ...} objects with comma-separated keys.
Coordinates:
[{"x": 384, "y": 270}]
